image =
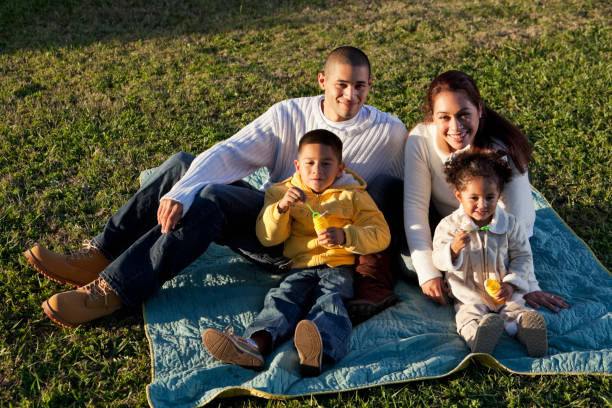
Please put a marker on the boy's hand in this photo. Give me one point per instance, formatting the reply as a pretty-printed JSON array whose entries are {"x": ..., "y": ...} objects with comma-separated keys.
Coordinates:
[
  {"x": 332, "y": 236},
  {"x": 292, "y": 195},
  {"x": 505, "y": 293},
  {"x": 459, "y": 242}
]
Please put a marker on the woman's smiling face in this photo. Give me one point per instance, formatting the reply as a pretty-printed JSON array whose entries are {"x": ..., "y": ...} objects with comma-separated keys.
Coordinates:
[{"x": 456, "y": 119}]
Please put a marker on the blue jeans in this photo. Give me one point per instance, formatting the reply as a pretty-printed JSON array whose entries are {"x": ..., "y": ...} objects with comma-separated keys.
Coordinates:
[
  {"x": 316, "y": 294},
  {"x": 143, "y": 258}
]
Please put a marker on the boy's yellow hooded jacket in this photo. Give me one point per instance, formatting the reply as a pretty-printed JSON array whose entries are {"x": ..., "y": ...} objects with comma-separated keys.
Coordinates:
[{"x": 349, "y": 207}]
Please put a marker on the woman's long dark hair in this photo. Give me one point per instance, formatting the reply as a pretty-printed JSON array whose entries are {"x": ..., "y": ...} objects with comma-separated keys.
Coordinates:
[{"x": 492, "y": 126}]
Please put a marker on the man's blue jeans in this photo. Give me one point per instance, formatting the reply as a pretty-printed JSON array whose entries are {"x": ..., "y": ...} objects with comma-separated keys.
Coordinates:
[
  {"x": 316, "y": 294},
  {"x": 143, "y": 258}
]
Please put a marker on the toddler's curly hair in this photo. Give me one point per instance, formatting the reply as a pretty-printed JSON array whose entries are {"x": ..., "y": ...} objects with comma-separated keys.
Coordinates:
[{"x": 465, "y": 166}]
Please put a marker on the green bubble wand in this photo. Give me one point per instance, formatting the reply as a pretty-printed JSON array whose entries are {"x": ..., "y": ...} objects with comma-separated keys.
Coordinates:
[{"x": 485, "y": 228}]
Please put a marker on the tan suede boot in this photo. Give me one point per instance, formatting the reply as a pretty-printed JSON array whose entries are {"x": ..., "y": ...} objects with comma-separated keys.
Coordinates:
[
  {"x": 77, "y": 268},
  {"x": 82, "y": 305}
]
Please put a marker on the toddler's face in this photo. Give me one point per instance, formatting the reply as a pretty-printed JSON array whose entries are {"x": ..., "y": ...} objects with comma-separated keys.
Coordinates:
[
  {"x": 318, "y": 166},
  {"x": 479, "y": 199}
]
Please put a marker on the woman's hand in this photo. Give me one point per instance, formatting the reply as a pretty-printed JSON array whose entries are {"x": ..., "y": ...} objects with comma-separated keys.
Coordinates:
[
  {"x": 332, "y": 236},
  {"x": 435, "y": 289},
  {"x": 539, "y": 298}
]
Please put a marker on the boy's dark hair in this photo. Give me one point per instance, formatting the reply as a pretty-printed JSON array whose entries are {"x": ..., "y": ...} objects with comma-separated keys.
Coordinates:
[
  {"x": 348, "y": 55},
  {"x": 325, "y": 137},
  {"x": 465, "y": 166}
]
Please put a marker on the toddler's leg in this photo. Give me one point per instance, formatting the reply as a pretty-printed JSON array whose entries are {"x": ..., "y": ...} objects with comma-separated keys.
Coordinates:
[
  {"x": 531, "y": 328},
  {"x": 480, "y": 329}
]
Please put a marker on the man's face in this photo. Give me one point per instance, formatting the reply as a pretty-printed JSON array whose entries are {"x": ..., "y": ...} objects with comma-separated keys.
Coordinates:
[
  {"x": 346, "y": 89},
  {"x": 318, "y": 166}
]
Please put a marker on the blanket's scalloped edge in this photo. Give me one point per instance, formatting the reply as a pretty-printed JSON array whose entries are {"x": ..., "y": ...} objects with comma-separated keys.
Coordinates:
[{"x": 484, "y": 359}]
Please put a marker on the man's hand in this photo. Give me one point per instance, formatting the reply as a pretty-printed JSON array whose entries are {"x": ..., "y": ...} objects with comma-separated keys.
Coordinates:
[
  {"x": 168, "y": 214},
  {"x": 332, "y": 236},
  {"x": 539, "y": 298},
  {"x": 435, "y": 289},
  {"x": 292, "y": 195},
  {"x": 505, "y": 292}
]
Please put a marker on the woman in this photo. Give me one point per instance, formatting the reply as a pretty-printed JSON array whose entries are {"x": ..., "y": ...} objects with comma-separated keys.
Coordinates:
[{"x": 456, "y": 118}]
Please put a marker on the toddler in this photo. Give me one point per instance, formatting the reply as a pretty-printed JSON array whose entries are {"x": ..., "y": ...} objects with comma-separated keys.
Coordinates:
[
  {"x": 309, "y": 301},
  {"x": 487, "y": 257}
]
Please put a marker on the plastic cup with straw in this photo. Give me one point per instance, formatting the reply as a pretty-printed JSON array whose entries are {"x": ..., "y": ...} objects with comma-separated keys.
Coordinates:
[{"x": 320, "y": 221}]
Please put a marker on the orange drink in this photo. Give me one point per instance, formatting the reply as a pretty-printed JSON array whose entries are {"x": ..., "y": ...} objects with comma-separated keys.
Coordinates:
[{"x": 492, "y": 286}]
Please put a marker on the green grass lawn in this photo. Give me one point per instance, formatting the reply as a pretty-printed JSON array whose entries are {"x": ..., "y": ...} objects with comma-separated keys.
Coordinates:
[{"x": 92, "y": 92}]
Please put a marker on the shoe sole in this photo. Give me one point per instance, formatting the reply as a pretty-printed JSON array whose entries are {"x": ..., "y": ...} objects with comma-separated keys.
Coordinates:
[
  {"x": 488, "y": 334},
  {"x": 532, "y": 333},
  {"x": 38, "y": 266},
  {"x": 309, "y": 345},
  {"x": 225, "y": 350},
  {"x": 51, "y": 315}
]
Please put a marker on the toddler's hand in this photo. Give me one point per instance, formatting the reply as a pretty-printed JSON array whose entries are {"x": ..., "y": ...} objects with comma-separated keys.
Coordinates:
[
  {"x": 332, "y": 236},
  {"x": 292, "y": 195},
  {"x": 460, "y": 241},
  {"x": 505, "y": 293}
]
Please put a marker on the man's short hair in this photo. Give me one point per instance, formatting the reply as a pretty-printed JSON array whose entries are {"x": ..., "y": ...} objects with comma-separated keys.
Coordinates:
[
  {"x": 325, "y": 137},
  {"x": 348, "y": 55}
]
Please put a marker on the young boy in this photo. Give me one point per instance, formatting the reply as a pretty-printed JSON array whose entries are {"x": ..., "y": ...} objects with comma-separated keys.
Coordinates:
[{"x": 310, "y": 298}]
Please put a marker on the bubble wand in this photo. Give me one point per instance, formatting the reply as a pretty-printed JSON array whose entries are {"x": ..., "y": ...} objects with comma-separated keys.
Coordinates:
[{"x": 485, "y": 228}]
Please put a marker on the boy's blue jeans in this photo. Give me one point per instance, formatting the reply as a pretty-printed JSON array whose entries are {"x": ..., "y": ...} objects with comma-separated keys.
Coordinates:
[
  {"x": 316, "y": 294},
  {"x": 143, "y": 258}
]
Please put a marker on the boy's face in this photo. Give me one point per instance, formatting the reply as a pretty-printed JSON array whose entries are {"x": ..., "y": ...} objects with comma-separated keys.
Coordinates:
[
  {"x": 346, "y": 90},
  {"x": 318, "y": 166},
  {"x": 479, "y": 199}
]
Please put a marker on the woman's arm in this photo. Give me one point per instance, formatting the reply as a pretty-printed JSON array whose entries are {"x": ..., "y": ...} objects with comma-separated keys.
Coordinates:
[{"x": 417, "y": 195}]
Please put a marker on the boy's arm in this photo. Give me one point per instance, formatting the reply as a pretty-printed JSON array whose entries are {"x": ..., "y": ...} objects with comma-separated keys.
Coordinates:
[
  {"x": 369, "y": 232},
  {"x": 273, "y": 227},
  {"x": 520, "y": 258}
]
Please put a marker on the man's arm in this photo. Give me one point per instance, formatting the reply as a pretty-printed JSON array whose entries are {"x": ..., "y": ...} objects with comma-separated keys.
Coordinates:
[{"x": 252, "y": 147}]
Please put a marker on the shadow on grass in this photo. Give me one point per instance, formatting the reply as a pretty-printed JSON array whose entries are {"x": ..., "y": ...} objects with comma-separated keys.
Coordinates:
[{"x": 40, "y": 24}]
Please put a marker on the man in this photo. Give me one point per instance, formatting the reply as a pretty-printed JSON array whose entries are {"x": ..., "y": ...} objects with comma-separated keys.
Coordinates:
[{"x": 190, "y": 202}]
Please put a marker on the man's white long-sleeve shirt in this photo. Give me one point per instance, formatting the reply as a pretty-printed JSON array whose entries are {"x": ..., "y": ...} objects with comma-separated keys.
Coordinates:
[{"x": 373, "y": 144}]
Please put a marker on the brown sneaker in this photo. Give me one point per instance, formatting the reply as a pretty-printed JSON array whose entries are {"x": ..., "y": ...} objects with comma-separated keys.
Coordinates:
[
  {"x": 87, "y": 303},
  {"x": 532, "y": 333},
  {"x": 309, "y": 346},
  {"x": 232, "y": 349},
  {"x": 77, "y": 268},
  {"x": 490, "y": 329}
]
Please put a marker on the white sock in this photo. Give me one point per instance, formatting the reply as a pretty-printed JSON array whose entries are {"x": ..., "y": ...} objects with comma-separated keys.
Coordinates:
[{"x": 511, "y": 328}]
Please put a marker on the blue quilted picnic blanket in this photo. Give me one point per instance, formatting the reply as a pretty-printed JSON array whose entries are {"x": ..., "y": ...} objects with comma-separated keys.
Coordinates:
[{"x": 413, "y": 340}]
